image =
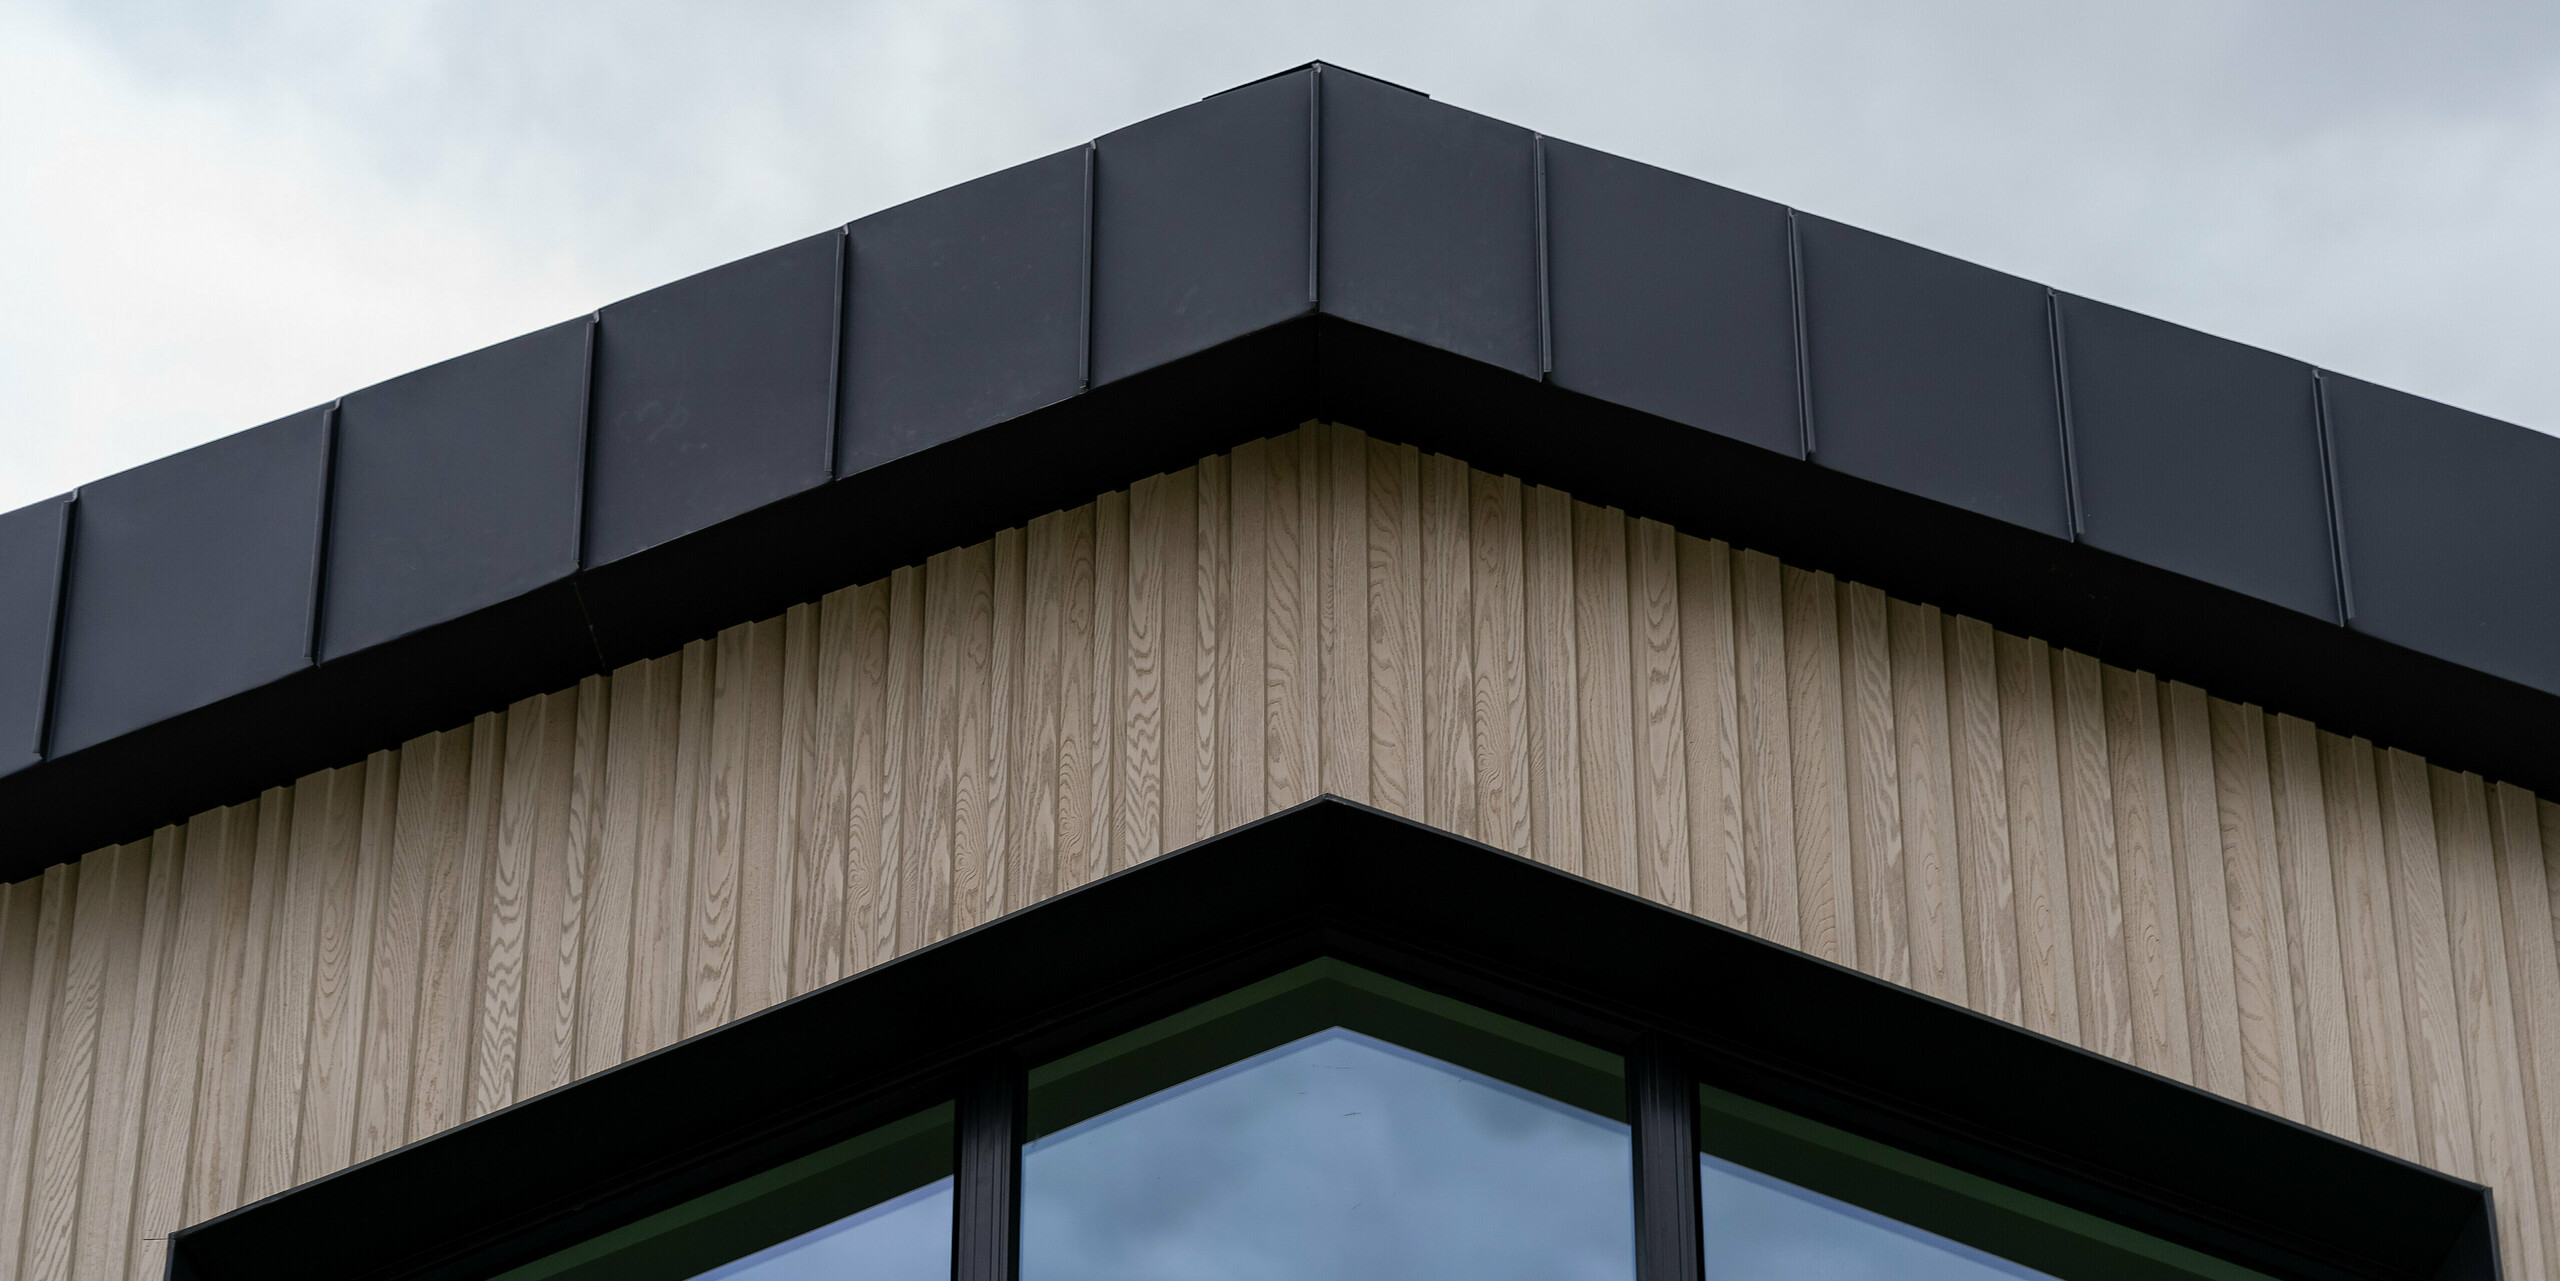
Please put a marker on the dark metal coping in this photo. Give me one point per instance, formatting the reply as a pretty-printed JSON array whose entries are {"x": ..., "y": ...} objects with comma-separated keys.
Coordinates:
[
  {"x": 1330, "y": 878},
  {"x": 1314, "y": 244}
]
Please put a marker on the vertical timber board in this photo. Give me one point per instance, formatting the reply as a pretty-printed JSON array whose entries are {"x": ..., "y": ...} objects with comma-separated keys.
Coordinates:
[
  {"x": 763, "y": 966},
  {"x": 2484, "y": 1001},
  {"x": 284, "y": 1037},
  {"x": 2204, "y": 905},
  {"x": 899, "y": 904},
  {"x": 2311, "y": 926},
  {"x": 870, "y": 868},
  {"x": 932, "y": 764},
  {"x": 1243, "y": 770},
  {"x": 1449, "y": 762},
  {"x": 1392, "y": 579},
  {"x": 2524, "y": 899},
  {"x": 507, "y": 924},
  {"x": 720, "y": 838},
  {"x": 116, "y": 1139},
  {"x": 562, "y": 902},
  {"x": 66, "y": 1093},
  {"x": 543, "y": 1028},
  {"x": 2377, "y": 1027},
  {"x": 1084, "y": 806},
  {"x": 2048, "y": 970},
  {"x": 821, "y": 917},
  {"x": 2261, "y": 959},
  {"x": 360, "y": 826},
  {"x": 19, "y": 904},
  {"x": 1815, "y": 727},
  {"x": 1719, "y": 878},
  {"x": 1138, "y": 827},
  {"x": 1768, "y": 771},
  {"x": 1343, "y": 698},
  {"x": 977, "y": 874},
  {"x": 611, "y": 915},
  {"x": 1547, "y": 595},
  {"x": 1040, "y": 807},
  {"x": 1981, "y": 786},
  {"x": 1881, "y": 890},
  {"x": 1666, "y": 863},
  {"x": 1924, "y": 753},
  {"x": 1501, "y": 693},
  {"x": 2436, "y": 1081},
  {"x": 1109, "y": 746},
  {"x": 255, "y": 839},
  {"x": 2155, "y": 951},
  {"x": 168, "y": 1104},
  {"x": 1199, "y": 711},
  {"x": 1603, "y": 695},
  {"x": 2089, "y": 848},
  {"x": 457, "y": 901},
  {"x": 1292, "y": 614},
  {"x": 661, "y": 885},
  {"x": 48, "y": 961},
  {"x": 1179, "y": 773},
  {"x": 1009, "y": 729},
  {"x": 791, "y": 851}
]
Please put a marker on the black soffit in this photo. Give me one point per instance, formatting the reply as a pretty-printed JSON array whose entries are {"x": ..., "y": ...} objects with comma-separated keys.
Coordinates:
[
  {"x": 1330, "y": 878},
  {"x": 1317, "y": 243}
]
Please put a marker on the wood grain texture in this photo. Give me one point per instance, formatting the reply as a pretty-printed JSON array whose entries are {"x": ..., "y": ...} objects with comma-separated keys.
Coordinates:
[
  {"x": 2336, "y": 932},
  {"x": 2089, "y": 854},
  {"x": 1604, "y": 698},
  {"x": 1448, "y": 710},
  {"x": 2262, "y": 959},
  {"x": 2368, "y": 960},
  {"x": 1924, "y": 750},
  {"x": 2204, "y": 906},
  {"x": 1979, "y": 780},
  {"x": 1768, "y": 767},
  {"x": 1719, "y": 868},
  {"x": 2484, "y": 1003},
  {"x": 2437, "y": 1083},
  {"x": 1501, "y": 694},
  {"x": 2516, "y": 844},
  {"x": 1555, "y": 784},
  {"x": 2048, "y": 970},
  {"x": 1874, "y": 780}
]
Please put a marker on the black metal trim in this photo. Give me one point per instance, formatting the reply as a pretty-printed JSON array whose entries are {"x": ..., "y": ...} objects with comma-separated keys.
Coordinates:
[
  {"x": 586, "y": 445},
  {"x": 57, "y": 610},
  {"x": 1691, "y": 1000},
  {"x": 1084, "y": 300},
  {"x": 1804, "y": 349},
  {"x": 1315, "y": 185},
  {"x": 986, "y": 1169},
  {"x": 1662, "y": 1113},
  {"x": 2336, "y": 503},
  {"x": 2061, "y": 357},
  {"x": 315, "y": 604},
  {"x": 835, "y": 339},
  {"x": 1546, "y": 314}
]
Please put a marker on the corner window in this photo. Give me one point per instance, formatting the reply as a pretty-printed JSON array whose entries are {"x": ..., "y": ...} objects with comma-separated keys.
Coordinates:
[
  {"x": 1329, "y": 1123},
  {"x": 877, "y": 1207}
]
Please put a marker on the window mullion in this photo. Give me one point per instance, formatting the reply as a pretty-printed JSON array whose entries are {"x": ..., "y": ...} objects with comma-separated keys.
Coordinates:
[
  {"x": 987, "y": 1173},
  {"x": 1662, "y": 1112}
]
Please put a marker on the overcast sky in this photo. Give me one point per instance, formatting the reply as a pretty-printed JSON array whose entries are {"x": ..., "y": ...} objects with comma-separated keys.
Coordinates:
[{"x": 215, "y": 214}]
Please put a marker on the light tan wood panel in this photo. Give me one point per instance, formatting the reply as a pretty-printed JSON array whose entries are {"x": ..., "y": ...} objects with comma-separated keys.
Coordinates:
[
  {"x": 2328, "y": 930},
  {"x": 2376, "y": 1025},
  {"x": 1980, "y": 782},
  {"x": 1933, "y": 895},
  {"x": 1719, "y": 872},
  {"x": 1880, "y": 888},
  {"x": 1604, "y": 698}
]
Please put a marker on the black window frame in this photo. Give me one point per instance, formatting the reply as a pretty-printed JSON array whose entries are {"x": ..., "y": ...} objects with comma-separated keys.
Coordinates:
[{"x": 1685, "y": 1000}]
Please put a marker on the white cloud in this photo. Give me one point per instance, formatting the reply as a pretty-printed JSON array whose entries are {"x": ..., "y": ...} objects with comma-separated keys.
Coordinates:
[{"x": 219, "y": 214}]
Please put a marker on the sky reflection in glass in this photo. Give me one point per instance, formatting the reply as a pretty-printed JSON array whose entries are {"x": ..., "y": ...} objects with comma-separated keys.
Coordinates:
[
  {"x": 1764, "y": 1229},
  {"x": 1337, "y": 1156},
  {"x": 906, "y": 1238}
]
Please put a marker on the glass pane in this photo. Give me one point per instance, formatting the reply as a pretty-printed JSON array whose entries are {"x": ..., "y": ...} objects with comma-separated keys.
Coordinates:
[
  {"x": 1765, "y": 1229},
  {"x": 1334, "y": 1153},
  {"x": 1788, "y": 1199},
  {"x": 873, "y": 1208}
]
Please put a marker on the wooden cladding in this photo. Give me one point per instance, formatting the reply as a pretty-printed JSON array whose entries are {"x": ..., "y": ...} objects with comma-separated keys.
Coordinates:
[{"x": 2337, "y": 933}]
